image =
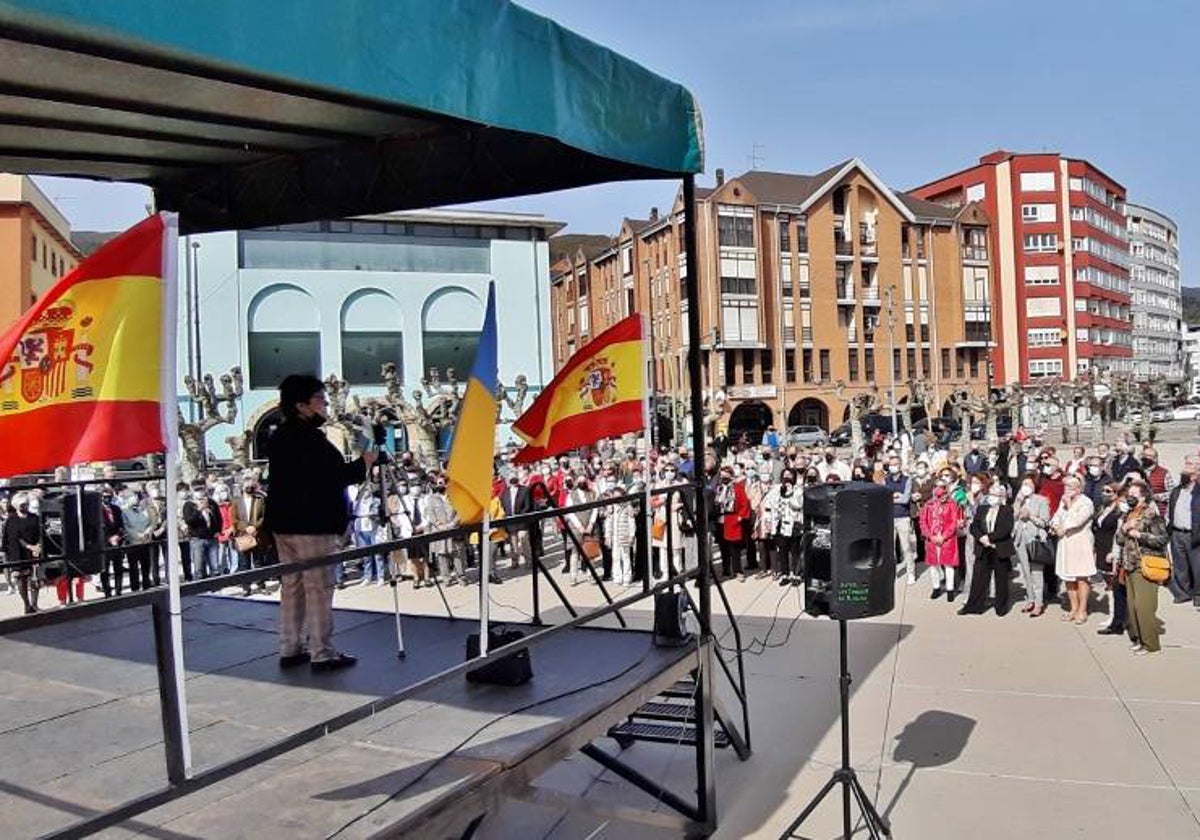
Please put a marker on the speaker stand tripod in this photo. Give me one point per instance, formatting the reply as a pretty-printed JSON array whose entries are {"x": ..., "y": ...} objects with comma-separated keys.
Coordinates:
[{"x": 845, "y": 775}]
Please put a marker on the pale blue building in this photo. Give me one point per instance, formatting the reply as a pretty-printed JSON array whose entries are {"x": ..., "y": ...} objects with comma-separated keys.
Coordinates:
[{"x": 346, "y": 296}]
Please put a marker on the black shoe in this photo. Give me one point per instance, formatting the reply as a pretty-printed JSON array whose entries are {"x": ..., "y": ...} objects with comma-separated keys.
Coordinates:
[
  {"x": 785, "y": 580},
  {"x": 951, "y": 595},
  {"x": 1196, "y": 602},
  {"x": 963, "y": 610},
  {"x": 494, "y": 578},
  {"x": 342, "y": 660},
  {"x": 1001, "y": 613},
  {"x": 935, "y": 594},
  {"x": 294, "y": 660},
  {"x": 1110, "y": 631}
]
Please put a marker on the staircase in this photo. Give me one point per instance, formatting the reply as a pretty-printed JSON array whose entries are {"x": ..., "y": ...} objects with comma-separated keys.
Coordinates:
[{"x": 670, "y": 718}]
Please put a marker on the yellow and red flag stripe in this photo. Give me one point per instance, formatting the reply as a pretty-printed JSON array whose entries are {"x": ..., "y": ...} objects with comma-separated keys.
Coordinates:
[
  {"x": 600, "y": 392},
  {"x": 83, "y": 375}
]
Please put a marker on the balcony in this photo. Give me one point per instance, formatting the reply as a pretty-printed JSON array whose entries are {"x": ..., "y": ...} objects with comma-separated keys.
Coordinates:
[
  {"x": 868, "y": 248},
  {"x": 974, "y": 253},
  {"x": 843, "y": 247},
  {"x": 789, "y": 335},
  {"x": 845, "y": 294},
  {"x": 870, "y": 296},
  {"x": 806, "y": 335}
]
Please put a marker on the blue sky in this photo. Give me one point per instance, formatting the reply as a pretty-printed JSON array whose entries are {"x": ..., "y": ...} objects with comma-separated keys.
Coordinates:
[{"x": 917, "y": 88}]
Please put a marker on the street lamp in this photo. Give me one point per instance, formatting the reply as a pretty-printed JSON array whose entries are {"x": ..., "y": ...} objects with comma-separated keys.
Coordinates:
[{"x": 890, "y": 302}]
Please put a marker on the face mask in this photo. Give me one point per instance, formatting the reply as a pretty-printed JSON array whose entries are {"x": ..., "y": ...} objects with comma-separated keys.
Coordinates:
[
  {"x": 894, "y": 469},
  {"x": 976, "y": 486},
  {"x": 197, "y": 497},
  {"x": 922, "y": 470},
  {"x": 414, "y": 491},
  {"x": 153, "y": 492},
  {"x": 939, "y": 491},
  {"x": 222, "y": 496},
  {"x": 669, "y": 475},
  {"x": 1124, "y": 506},
  {"x": 995, "y": 499},
  {"x": 401, "y": 489},
  {"x": 1148, "y": 463},
  {"x": 1026, "y": 490},
  {"x": 1094, "y": 471},
  {"x": 1047, "y": 470},
  {"x": 513, "y": 482},
  {"x": 828, "y": 459},
  {"x": 752, "y": 476}
]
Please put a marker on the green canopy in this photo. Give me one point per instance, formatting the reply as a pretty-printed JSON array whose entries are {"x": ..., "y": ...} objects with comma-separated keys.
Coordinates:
[{"x": 242, "y": 113}]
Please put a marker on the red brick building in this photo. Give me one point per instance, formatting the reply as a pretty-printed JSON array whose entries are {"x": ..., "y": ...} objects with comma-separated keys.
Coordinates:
[{"x": 1061, "y": 258}]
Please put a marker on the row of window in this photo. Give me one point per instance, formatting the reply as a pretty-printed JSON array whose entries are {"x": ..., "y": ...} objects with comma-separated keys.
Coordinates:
[
  {"x": 274, "y": 355},
  {"x": 51, "y": 261},
  {"x": 1099, "y": 192},
  {"x": 1104, "y": 279},
  {"x": 417, "y": 229},
  {"x": 1091, "y": 216},
  {"x": 1106, "y": 252}
]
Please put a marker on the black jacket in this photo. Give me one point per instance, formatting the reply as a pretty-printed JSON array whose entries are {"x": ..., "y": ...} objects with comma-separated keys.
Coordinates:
[
  {"x": 308, "y": 478},
  {"x": 1191, "y": 489},
  {"x": 1001, "y": 533},
  {"x": 200, "y": 527},
  {"x": 522, "y": 504}
]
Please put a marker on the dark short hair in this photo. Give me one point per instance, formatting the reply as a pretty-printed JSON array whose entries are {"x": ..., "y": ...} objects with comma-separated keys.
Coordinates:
[{"x": 297, "y": 388}]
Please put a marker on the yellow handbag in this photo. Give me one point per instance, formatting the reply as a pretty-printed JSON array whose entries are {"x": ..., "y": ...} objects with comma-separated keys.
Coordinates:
[{"x": 1155, "y": 568}]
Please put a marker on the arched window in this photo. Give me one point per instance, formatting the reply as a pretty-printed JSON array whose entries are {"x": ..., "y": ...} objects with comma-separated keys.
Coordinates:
[
  {"x": 284, "y": 335},
  {"x": 372, "y": 334},
  {"x": 450, "y": 323}
]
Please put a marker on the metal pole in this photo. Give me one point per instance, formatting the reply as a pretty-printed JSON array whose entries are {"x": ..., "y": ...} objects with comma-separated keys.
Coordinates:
[
  {"x": 705, "y": 779},
  {"x": 187, "y": 320},
  {"x": 648, "y": 359},
  {"x": 195, "y": 273},
  {"x": 79, "y": 530},
  {"x": 844, "y": 685},
  {"x": 485, "y": 574}
]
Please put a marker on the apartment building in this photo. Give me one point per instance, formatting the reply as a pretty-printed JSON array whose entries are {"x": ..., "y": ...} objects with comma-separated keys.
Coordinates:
[
  {"x": 1062, "y": 262},
  {"x": 35, "y": 240},
  {"x": 805, "y": 281},
  {"x": 1157, "y": 305}
]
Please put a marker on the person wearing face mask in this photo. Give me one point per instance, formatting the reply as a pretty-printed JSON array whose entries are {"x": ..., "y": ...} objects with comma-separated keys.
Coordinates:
[
  {"x": 831, "y": 464},
  {"x": 1104, "y": 531},
  {"x": 992, "y": 532},
  {"x": 203, "y": 519},
  {"x": 940, "y": 518},
  {"x": 971, "y": 497},
  {"x": 1124, "y": 461},
  {"x": 112, "y": 569},
  {"x": 975, "y": 461},
  {"x": 139, "y": 523},
  {"x": 447, "y": 556},
  {"x": 227, "y": 559},
  {"x": 1078, "y": 463},
  {"x": 762, "y": 523},
  {"x": 1143, "y": 530},
  {"x": 1095, "y": 480},
  {"x": 663, "y": 526},
  {"x": 306, "y": 513},
  {"x": 249, "y": 508},
  {"x": 1183, "y": 524},
  {"x": 733, "y": 508},
  {"x": 1075, "y": 558},
  {"x": 516, "y": 501},
  {"x": 787, "y": 510},
  {"x": 901, "y": 486},
  {"x": 580, "y": 524},
  {"x": 22, "y": 540},
  {"x": 1158, "y": 477},
  {"x": 1031, "y": 541}
]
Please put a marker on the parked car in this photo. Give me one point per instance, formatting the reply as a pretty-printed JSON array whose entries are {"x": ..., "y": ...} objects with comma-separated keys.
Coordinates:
[
  {"x": 807, "y": 436},
  {"x": 1158, "y": 414},
  {"x": 1188, "y": 411}
]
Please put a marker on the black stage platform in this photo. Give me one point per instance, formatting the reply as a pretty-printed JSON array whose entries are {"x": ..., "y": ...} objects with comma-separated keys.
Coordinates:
[{"x": 81, "y": 733}]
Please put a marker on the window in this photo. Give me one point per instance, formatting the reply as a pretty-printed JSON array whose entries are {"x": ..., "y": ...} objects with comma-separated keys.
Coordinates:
[
  {"x": 802, "y": 234},
  {"x": 739, "y": 320},
  {"x": 789, "y": 366},
  {"x": 1051, "y": 337},
  {"x": 338, "y": 252},
  {"x": 974, "y": 363},
  {"x": 730, "y": 366},
  {"x": 274, "y": 355},
  {"x": 960, "y": 364},
  {"x": 785, "y": 235},
  {"x": 766, "y": 364},
  {"x": 45, "y": 256},
  {"x": 976, "y": 192},
  {"x": 825, "y": 374},
  {"x": 364, "y": 353},
  {"x": 910, "y": 357},
  {"x": 627, "y": 259},
  {"x": 747, "y": 367},
  {"x": 738, "y": 285},
  {"x": 1075, "y": 184},
  {"x": 926, "y": 368},
  {"x": 1043, "y": 307},
  {"x": 1041, "y": 275},
  {"x": 975, "y": 284},
  {"x": 975, "y": 244},
  {"x": 445, "y": 349},
  {"x": 1041, "y": 243},
  {"x": 735, "y": 226},
  {"x": 945, "y": 364},
  {"x": 1045, "y": 367},
  {"x": 34, "y": 252},
  {"x": 869, "y": 363},
  {"x": 1037, "y": 182},
  {"x": 1039, "y": 212},
  {"x": 808, "y": 365},
  {"x": 852, "y": 363},
  {"x": 897, "y": 371}
]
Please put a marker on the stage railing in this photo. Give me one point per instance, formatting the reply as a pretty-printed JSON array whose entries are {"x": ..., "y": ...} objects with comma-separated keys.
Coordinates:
[{"x": 181, "y": 784}]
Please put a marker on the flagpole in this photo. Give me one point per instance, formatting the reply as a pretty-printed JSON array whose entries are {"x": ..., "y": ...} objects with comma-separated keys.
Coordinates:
[
  {"x": 171, "y": 428},
  {"x": 485, "y": 575},
  {"x": 648, "y": 368}
]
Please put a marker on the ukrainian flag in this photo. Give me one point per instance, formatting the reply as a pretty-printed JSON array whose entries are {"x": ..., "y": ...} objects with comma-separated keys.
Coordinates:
[{"x": 469, "y": 477}]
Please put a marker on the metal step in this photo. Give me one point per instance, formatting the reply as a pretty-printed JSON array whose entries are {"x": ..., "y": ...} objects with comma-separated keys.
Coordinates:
[
  {"x": 656, "y": 710},
  {"x": 685, "y": 689},
  {"x": 662, "y": 733}
]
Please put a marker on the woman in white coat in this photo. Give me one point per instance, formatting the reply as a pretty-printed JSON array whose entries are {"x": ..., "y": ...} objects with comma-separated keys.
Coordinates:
[{"x": 1075, "y": 560}]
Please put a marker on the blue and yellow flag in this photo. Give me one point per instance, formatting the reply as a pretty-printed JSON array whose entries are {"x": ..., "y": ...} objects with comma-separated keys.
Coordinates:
[{"x": 469, "y": 477}]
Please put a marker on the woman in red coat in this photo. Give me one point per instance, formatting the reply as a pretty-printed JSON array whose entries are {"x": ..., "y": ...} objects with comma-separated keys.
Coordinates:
[
  {"x": 939, "y": 525},
  {"x": 733, "y": 506}
]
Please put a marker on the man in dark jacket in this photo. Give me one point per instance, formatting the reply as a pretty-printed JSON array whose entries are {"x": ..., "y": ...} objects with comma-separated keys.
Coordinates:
[
  {"x": 992, "y": 530},
  {"x": 307, "y": 512}
]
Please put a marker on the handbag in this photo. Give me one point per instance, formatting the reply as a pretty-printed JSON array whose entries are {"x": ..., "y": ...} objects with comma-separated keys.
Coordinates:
[
  {"x": 1042, "y": 553},
  {"x": 658, "y": 529},
  {"x": 245, "y": 542},
  {"x": 591, "y": 547},
  {"x": 1155, "y": 568}
]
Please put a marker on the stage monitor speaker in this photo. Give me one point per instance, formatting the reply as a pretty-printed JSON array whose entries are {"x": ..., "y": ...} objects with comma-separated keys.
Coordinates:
[
  {"x": 670, "y": 619},
  {"x": 514, "y": 669},
  {"x": 849, "y": 550},
  {"x": 61, "y": 547}
]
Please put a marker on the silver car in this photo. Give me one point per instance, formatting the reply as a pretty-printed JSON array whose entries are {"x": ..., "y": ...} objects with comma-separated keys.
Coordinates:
[{"x": 807, "y": 436}]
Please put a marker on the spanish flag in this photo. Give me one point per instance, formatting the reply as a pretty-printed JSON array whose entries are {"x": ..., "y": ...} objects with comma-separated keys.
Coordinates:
[
  {"x": 599, "y": 393},
  {"x": 83, "y": 374},
  {"x": 469, "y": 476}
]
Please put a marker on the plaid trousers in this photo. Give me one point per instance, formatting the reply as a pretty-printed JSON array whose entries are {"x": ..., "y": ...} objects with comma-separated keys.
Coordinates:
[{"x": 306, "y": 598}]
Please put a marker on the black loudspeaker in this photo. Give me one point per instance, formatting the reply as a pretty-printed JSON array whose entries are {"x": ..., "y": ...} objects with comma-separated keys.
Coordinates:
[
  {"x": 514, "y": 669},
  {"x": 670, "y": 626},
  {"x": 850, "y": 553},
  {"x": 61, "y": 545}
]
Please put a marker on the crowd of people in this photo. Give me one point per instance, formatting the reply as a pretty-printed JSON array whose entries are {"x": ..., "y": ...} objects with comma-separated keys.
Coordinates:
[{"x": 1018, "y": 521}]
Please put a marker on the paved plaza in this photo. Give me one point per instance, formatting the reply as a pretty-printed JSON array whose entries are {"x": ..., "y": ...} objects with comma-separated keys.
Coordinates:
[{"x": 978, "y": 727}]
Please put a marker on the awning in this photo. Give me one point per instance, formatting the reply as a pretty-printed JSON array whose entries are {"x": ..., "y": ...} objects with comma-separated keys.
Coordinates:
[{"x": 242, "y": 114}]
